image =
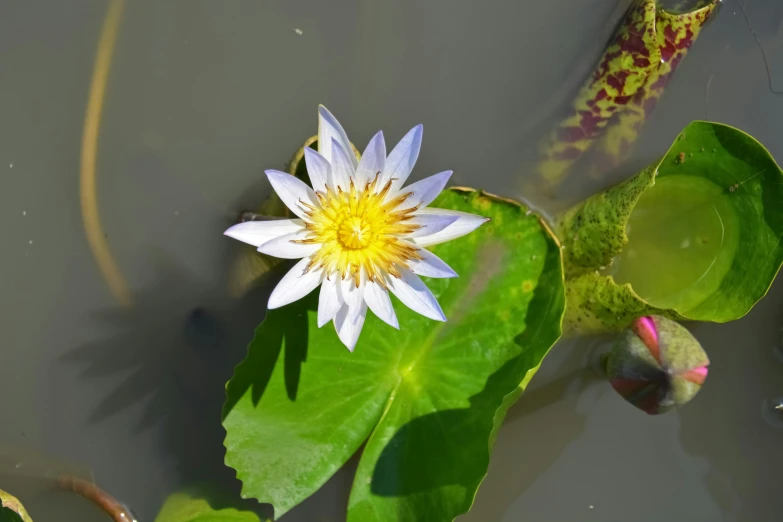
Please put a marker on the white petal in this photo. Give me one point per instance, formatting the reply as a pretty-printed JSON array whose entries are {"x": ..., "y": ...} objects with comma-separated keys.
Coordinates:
[
  {"x": 465, "y": 224},
  {"x": 319, "y": 170},
  {"x": 329, "y": 301},
  {"x": 295, "y": 285},
  {"x": 291, "y": 191},
  {"x": 377, "y": 298},
  {"x": 431, "y": 266},
  {"x": 257, "y": 233},
  {"x": 342, "y": 170},
  {"x": 330, "y": 129},
  {"x": 402, "y": 158},
  {"x": 349, "y": 323},
  {"x": 352, "y": 295},
  {"x": 415, "y": 295},
  {"x": 425, "y": 190},
  {"x": 429, "y": 223},
  {"x": 372, "y": 161},
  {"x": 286, "y": 247}
]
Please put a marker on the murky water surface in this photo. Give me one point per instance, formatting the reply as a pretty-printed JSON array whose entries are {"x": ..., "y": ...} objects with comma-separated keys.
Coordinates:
[{"x": 201, "y": 97}]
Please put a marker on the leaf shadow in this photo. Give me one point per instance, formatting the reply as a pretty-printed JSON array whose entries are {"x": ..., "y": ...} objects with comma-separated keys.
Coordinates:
[
  {"x": 171, "y": 354},
  {"x": 421, "y": 471},
  {"x": 538, "y": 428},
  {"x": 285, "y": 330},
  {"x": 414, "y": 460}
]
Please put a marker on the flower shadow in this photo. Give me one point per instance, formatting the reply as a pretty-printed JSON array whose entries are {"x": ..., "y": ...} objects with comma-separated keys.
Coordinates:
[{"x": 171, "y": 354}]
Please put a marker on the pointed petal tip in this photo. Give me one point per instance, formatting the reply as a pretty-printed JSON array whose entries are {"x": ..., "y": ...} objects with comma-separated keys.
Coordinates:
[{"x": 445, "y": 175}]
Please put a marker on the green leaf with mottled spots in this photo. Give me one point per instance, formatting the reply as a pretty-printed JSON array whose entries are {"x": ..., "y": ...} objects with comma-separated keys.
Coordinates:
[
  {"x": 696, "y": 236},
  {"x": 189, "y": 506},
  {"x": 424, "y": 401}
]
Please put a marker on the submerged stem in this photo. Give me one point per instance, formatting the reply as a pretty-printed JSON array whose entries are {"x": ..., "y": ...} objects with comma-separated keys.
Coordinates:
[{"x": 112, "y": 507}]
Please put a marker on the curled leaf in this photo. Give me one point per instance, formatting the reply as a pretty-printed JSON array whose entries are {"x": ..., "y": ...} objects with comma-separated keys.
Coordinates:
[
  {"x": 697, "y": 235},
  {"x": 11, "y": 510}
]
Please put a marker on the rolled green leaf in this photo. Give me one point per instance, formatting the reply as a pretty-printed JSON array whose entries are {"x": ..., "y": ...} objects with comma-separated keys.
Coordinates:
[
  {"x": 646, "y": 48},
  {"x": 11, "y": 510},
  {"x": 697, "y": 236},
  {"x": 425, "y": 401}
]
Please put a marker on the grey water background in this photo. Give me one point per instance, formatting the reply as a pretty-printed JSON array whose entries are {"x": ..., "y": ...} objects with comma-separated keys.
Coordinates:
[{"x": 205, "y": 95}]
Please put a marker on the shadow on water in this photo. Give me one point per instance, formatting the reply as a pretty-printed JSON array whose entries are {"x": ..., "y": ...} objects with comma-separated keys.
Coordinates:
[
  {"x": 539, "y": 427},
  {"x": 728, "y": 427},
  {"x": 174, "y": 351}
]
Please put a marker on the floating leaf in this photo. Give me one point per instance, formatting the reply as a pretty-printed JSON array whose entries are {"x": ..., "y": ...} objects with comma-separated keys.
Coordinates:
[
  {"x": 11, "y": 510},
  {"x": 625, "y": 86},
  {"x": 426, "y": 400},
  {"x": 695, "y": 236},
  {"x": 188, "y": 507}
]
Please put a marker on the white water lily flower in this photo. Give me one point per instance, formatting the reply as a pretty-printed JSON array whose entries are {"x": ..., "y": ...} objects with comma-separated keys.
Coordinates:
[{"x": 360, "y": 234}]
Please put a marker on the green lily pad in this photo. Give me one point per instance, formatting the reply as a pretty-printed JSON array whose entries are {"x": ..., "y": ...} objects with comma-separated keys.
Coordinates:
[
  {"x": 425, "y": 400},
  {"x": 189, "y": 507},
  {"x": 695, "y": 236},
  {"x": 11, "y": 510}
]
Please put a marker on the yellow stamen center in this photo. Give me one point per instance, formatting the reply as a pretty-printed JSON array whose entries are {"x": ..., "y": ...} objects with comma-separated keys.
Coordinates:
[
  {"x": 354, "y": 233},
  {"x": 359, "y": 230}
]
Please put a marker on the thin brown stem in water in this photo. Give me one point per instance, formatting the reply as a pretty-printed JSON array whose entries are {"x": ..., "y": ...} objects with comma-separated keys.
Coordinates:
[{"x": 88, "y": 490}]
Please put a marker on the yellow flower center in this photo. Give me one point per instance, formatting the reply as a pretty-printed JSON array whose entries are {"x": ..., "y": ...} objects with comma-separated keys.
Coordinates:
[
  {"x": 358, "y": 230},
  {"x": 354, "y": 233}
]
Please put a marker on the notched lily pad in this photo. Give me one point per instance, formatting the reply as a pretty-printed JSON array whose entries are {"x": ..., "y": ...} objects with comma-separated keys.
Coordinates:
[
  {"x": 425, "y": 400},
  {"x": 695, "y": 236}
]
